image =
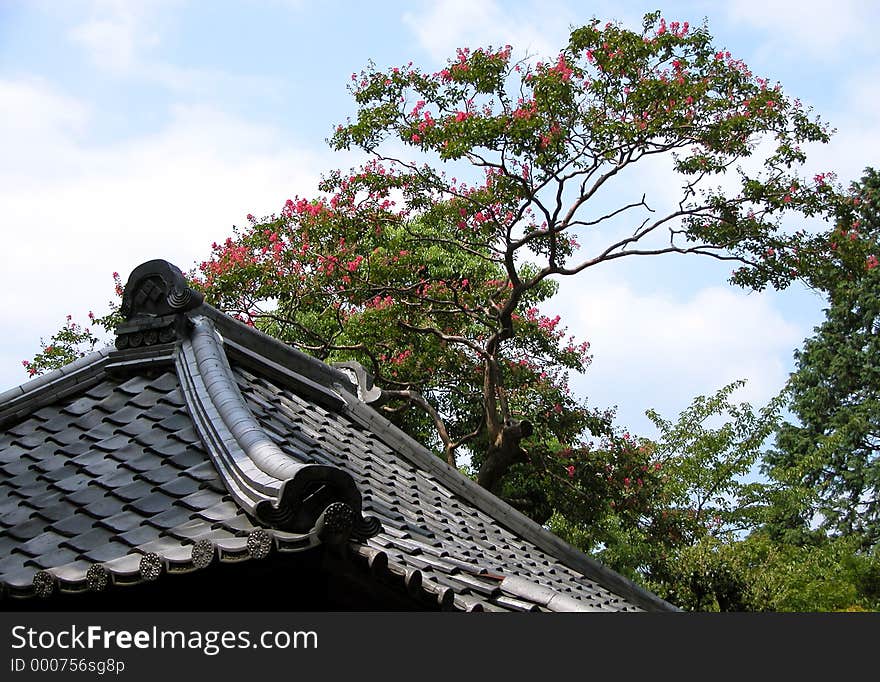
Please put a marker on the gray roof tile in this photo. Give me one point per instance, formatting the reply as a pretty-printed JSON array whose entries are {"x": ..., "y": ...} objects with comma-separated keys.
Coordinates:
[
  {"x": 75, "y": 524},
  {"x": 73, "y": 483},
  {"x": 201, "y": 499},
  {"x": 180, "y": 486},
  {"x": 26, "y": 530},
  {"x": 91, "y": 420},
  {"x": 134, "y": 491},
  {"x": 112, "y": 444},
  {"x": 57, "y": 512},
  {"x": 106, "y": 552},
  {"x": 60, "y": 422},
  {"x": 87, "y": 495},
  {"x": 219, "y": 512},
  {"x": 162, "y": 475},
  {"x": 116, "y": 479},
  {"x": 153, "y": 503},
  {"x": 121, "y": 468},
  {"x": 139, "y": 535},
  {"x": 204, "y": 471},
  {"x": 121, "y": 522},
  {"x": 15, "y": 469},
  {"x": 190, "y": 530},
  {"x": 124, "y": 415},
  {"x": 80, "y": 406},
  {"x": 104, "y": 507},
  {"x": 13, "y": 563},
  {"x": 41, "y": 544},
  {"x": 93, "y": 537},
  {"x": 170, "y": 518},
  {"x": 143, "y": 461}
]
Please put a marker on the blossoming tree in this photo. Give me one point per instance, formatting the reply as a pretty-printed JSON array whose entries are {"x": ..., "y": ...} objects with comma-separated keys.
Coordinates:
[{"x": 429, "y": 264}]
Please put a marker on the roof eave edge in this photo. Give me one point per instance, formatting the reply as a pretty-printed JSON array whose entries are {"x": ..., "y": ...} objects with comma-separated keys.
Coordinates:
[
  {"x": 79, "y": 374},
  {"x": 513, "y": 519}
]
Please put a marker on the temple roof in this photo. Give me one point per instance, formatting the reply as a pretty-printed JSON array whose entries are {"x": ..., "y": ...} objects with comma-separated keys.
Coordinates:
[{"x": 198, "y": 441}]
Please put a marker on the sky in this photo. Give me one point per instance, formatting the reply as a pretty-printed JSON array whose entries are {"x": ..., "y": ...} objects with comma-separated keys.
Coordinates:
[{"x": 139, "y": 130}]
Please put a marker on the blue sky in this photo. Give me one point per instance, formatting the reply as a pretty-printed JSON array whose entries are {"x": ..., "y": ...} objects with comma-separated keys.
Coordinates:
[{"x": 137, "y": 130}]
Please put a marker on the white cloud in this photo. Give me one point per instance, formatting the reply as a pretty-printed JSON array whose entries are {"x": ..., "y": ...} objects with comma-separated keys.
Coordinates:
[
  {"x": 104, "y": 208},
  {"x": 856, "y": 143},
  {"x": 111, "y": 44},
  {"x": 120, "y": 39},
  {"x": 798, "y": 28},
  {"x": 658, "y": 350},
  {"x": 442, "y": 27},
  {"x": 118, "y": 32}
]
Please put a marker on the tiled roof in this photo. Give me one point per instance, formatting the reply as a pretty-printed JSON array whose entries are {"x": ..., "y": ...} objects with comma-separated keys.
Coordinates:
[{"x": 219, "y": 444}]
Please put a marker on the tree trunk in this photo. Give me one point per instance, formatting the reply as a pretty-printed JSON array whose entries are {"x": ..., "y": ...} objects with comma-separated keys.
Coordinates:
[{"x": 504, "y": 451}]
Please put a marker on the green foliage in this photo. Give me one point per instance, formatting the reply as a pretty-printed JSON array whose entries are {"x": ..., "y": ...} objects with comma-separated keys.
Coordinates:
[
  {"x": 70, "y": 342},
  {"x": 757, "y": 574},
  {"x": 831, "y": 452},
  {"x": 550, "y": 135},
  {"x": 708, "y": 466},
  {"x": 690, "y": 485}
]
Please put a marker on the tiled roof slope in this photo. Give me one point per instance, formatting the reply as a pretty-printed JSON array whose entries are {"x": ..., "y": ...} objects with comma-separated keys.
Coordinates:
[
  {"x": 108, "y": 485},
  {"x": 221, "y": 444}
]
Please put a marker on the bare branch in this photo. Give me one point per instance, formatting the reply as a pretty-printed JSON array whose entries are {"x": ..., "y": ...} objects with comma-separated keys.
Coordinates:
[{"x": 418, "y": 399}]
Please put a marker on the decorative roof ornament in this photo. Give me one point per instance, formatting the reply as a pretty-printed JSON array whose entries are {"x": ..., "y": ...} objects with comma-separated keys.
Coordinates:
[
  {"x": 97, "y": 578},
  {"x": 150, "y": 566},
  {"x": 277, "y": 489},
  {"x": 44, "y": 584},
  {"x": 259, "y": 543},
  {"x": 203, "y": 554},
  {"x": 153, "y": 302},
  {"x": 367, "y": 391},
  {"x": 335, "y": 524}
]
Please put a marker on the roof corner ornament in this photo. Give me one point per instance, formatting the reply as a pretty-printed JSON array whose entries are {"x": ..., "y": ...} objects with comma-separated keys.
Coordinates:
[
  {"x": 335, "y": 524},
  {"x": 367, "y": 390},
  {"x": 155, "y": 299},
  {"x": 322, "y": 500}
]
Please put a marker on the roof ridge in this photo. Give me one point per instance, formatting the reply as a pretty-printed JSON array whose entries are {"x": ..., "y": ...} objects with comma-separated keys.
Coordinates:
[
  {"x": 53, "y": 385},
  {"x": 517, "y": 522},
  {"x": 277, "y": 351},
  {"x": 276, "y": 489}
]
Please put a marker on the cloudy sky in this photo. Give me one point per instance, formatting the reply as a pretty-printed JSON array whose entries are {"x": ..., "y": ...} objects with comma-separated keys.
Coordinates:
[{"x": 139, "y": 130}]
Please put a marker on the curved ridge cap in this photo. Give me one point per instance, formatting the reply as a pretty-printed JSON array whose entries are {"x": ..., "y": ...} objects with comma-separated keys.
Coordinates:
[
  {"x": 276, "y": 350},
  {"x": 304, "y": 491},
  {"x": 223, "y": 391}
]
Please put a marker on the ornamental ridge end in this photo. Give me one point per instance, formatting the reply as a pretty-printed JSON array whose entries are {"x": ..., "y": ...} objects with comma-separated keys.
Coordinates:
[{"x": 154, "y": 301}]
